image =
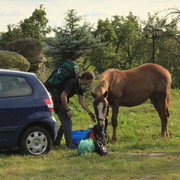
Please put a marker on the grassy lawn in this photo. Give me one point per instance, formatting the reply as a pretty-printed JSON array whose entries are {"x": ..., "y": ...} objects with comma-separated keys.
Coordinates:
[{"x": 140, "y": 152}]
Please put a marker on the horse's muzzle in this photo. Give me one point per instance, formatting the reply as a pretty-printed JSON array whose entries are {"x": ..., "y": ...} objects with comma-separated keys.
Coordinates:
[{"x": 101, "y": 123}]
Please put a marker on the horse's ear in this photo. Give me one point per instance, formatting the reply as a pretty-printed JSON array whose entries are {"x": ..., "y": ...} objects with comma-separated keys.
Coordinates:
[
  {"x": 93, "y": 95},
  {"x": 105, "y": 94}
]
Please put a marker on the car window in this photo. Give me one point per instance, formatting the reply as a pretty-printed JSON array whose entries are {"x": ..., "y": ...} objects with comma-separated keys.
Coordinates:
[{"x": 11, "y": 86}]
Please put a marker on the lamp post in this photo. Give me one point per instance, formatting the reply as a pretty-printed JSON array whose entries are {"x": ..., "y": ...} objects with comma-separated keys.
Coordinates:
[{"x": 153, "y": 33}]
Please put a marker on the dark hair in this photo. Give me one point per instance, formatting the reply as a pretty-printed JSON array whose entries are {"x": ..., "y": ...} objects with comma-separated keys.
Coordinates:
[{"x": 88, "y": 75}]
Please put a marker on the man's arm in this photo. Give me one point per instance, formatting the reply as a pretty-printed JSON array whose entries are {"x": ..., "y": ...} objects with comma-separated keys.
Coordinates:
[
  {"x": 64, "y": 101},
  {"x": 84, "y": 105}
]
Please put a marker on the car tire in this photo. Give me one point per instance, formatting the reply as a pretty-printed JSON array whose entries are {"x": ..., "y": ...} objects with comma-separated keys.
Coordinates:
[{"x": 35, "y": 141}]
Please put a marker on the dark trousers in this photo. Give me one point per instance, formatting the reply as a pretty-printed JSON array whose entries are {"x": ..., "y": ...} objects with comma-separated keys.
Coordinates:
[{"x": 65, "y": 127}]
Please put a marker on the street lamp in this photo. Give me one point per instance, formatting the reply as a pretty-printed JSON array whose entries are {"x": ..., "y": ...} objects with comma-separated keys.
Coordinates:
[{"x": 153, "y": 33}]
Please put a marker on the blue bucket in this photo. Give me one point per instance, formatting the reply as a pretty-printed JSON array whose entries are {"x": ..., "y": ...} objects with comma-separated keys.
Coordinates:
[{"x": 77, "y": 136}]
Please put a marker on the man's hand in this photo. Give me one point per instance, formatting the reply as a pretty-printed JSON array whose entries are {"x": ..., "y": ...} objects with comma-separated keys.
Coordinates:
[{"x": 92, "y": 117}]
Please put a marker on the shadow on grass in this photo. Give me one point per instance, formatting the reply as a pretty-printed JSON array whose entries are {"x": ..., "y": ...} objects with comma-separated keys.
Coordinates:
[
  {"x": 152, "y": 146},
  {"x": 9, "y": 152},
  {"x": 146, "y": 146}
]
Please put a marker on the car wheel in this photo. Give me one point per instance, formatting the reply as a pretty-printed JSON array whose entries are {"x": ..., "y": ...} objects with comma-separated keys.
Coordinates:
[{"x": 35, "y": 141}]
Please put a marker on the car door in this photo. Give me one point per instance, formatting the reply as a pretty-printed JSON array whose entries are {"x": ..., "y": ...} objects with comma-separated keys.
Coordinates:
[{"x": 14, "y": 94}]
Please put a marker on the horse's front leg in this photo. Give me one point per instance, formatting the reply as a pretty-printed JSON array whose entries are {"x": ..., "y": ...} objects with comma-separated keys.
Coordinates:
[
  {"x": 105, "y": 129},
  {"x": 115, "y": 110},
  {"x": 106, "y": 120}
]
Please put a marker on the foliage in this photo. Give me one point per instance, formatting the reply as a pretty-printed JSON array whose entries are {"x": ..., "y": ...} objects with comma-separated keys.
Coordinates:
[
  {"x": 71, "y": 41},
  {"x": 126, "y": 46},
  {"x": 140, "y": 152},
  {"x": 167, "y": 46},
  {"x": 115, "y": 43},
  {"x": 35, "y": 26},
  {"x": 103, "y": 58},
  {"x": 123, "y": 42}
]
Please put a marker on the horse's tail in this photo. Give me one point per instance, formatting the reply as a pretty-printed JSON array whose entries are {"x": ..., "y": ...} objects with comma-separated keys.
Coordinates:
[
  {"x": 169, "y": 94},
  {"x": 168, "y": 102}
]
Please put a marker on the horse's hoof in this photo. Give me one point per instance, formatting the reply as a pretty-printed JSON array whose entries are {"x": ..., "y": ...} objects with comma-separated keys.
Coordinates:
[
  {"x": 165, "y": 134},
  {"x": 113, "y": 141}
]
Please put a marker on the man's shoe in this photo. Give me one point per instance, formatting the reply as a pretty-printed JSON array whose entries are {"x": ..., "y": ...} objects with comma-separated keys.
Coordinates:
[
  {"x": 72, "y": 146},
  {"x": 56, "y": 144}
]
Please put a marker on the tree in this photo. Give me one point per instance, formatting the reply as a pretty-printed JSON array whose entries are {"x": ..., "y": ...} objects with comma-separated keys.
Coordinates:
[
  {"x": 167, "y": 46},
  {"x": 34, "y": 26},
  {"x": 71, "y": 41},
  {"x": 123, "y": 40},
  {"x": 129, "y": 45},
  {"x": 172, "y": 45}
]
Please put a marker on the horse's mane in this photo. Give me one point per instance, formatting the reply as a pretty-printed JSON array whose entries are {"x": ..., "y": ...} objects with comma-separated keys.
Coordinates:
[{"x": 103, "y": 84}]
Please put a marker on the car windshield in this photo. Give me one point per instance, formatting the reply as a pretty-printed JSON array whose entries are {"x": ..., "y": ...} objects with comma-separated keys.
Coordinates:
[{"x": 12, "y": 86}]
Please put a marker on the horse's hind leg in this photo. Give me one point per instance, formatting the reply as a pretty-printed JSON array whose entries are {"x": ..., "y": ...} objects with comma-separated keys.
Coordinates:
[{"x": 161, "y": 104}]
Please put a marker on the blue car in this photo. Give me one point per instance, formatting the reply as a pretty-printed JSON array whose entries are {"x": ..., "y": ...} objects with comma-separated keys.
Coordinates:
[{"x": 26, "y": 113}]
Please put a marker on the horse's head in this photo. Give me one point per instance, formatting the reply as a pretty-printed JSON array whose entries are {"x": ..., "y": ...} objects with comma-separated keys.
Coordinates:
[{"x": 101, "y": 108}]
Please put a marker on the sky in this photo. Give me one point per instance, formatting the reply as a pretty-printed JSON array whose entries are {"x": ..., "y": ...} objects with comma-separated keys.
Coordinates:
[{"x": 14, "y": 11}]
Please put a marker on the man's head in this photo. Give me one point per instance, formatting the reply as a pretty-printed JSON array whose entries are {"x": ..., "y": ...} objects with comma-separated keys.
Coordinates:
[{"x": 86, "y": 78}]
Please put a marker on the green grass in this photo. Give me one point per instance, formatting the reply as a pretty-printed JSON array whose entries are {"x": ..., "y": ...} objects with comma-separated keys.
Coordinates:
[{"x": 140, "y": 151}]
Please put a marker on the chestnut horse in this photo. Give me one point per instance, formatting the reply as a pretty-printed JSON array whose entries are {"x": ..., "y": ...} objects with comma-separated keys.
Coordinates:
[{"x": 131, "y": 88}]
